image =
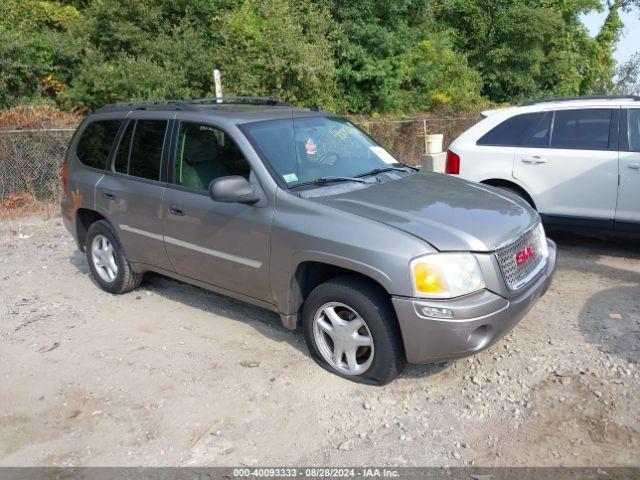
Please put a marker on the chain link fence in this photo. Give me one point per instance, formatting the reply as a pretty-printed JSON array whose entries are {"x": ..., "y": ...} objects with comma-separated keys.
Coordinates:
[
  {"x": 31, "y": 160},
  {"x": 30, "y": 163},
  {"x": 406, "y": 139}
]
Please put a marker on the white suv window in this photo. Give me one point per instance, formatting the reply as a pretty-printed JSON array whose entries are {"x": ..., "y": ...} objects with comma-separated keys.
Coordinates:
[
  {"x": 585, "y": 129},
  {"x": 539, "y": 135},
  {"x": 511, "y": 132},
  {"x": 633, "y": 130}
]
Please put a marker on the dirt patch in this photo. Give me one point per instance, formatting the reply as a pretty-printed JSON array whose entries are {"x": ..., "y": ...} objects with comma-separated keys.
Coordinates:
[{"x": 174, "y": 375}]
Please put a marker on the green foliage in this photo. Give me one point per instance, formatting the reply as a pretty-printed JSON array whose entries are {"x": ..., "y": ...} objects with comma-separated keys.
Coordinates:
[
  {"x": 526, "y": 49},
  {"x": 370, "y": 37},
  {"x": 434, "y": 76},
  {"x": 34, "y": 49},
  {"x": 277, "y": 48},
  {"x": 371, "y": 56},
  {"x": 628, "y": 76},
  {"x": 175, "y": 64}
]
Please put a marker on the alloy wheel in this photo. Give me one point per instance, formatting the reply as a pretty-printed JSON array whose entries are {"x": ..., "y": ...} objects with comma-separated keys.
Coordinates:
[
  {"x": 343, "y": 338},
  {"x": 104, "y": 258}
]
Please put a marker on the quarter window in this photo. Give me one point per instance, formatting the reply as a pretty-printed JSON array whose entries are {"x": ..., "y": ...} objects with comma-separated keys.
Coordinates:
[
  {"x": 95, "y": 144},
  {"x": 204, "y": 153},
  {"x": 586, "y": 129},
  {"x": 146, "y": 149},
  {"x": 511, "y": 132}
]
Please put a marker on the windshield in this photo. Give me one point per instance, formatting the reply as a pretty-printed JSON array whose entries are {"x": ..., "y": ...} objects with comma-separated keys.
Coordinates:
[{"x": 303, "y": 150}]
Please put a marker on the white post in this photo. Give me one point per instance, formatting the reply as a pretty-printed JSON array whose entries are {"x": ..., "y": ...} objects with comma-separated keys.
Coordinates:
[
  {"x": 218, "y": 83},
  {"x": 424, "y": 130}
]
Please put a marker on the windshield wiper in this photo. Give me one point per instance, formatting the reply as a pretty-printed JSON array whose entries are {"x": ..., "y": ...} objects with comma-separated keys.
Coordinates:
[
  {"x": 378, "y": 170},
  {"x": 325, "y": 180},
  {"x": 321, "y": 180}
]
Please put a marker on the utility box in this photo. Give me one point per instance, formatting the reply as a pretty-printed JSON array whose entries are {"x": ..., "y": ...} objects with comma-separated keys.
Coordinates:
[{"x": 433, "y": 162}]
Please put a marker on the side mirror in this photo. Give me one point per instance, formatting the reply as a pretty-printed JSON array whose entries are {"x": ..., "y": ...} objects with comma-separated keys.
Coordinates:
[{"x": 233, "y": 189}]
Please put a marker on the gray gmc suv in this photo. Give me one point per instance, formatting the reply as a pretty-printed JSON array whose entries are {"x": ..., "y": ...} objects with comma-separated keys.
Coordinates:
[{"x": 300, "y": 212}]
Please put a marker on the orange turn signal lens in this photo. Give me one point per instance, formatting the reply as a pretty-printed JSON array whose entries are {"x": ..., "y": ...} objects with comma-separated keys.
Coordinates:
[{"x": 428, "y": 279}]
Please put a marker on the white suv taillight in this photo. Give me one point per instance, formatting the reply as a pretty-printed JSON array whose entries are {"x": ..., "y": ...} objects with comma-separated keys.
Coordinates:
[{"x": 453, "y": 163}]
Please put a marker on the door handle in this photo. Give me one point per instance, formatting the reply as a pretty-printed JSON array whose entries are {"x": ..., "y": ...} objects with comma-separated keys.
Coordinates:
[
  {"x": 176, "y": 210},
  {"x": 634, "y": 166},
  {"x": 533, "y": 160},
  {"x": 109, "y": 195}
]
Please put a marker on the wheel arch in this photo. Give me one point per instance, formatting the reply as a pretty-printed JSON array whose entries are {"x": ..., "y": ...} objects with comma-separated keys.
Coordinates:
[
  {"x": 500, "y": 182},
  {"x": 311, "y": 273},
  {"x": 85, "y": 217}
]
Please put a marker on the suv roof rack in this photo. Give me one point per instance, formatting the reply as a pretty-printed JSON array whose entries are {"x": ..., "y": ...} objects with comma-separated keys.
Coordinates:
[
  {"x": 587, "y": 97},
  {"x": 192, "y": 104},
  {"x": 146, "y": 105},
  {"x": 239, "y": 100}
]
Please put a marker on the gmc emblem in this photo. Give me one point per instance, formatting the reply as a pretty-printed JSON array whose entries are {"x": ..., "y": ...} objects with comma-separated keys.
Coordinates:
[{"x": 523, "y": 255}]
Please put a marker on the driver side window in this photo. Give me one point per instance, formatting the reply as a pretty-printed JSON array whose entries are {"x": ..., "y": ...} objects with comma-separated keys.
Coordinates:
[{"x": 204, "y": 153}]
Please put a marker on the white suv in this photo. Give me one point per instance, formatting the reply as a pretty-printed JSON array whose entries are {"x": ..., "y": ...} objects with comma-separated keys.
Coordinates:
[{"x": 576, "y": 160}]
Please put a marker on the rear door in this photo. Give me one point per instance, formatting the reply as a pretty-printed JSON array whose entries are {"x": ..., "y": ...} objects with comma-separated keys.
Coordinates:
[
  {"x": 575, "y": 174},
  {"x": 492, "y": 154},
  {"x": 223, "y": 244},
  {"x": 628, "y": 209},
  {"x": 130, "y": 194}
]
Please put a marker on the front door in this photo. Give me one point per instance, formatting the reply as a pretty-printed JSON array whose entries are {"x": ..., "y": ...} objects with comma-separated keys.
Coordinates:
[
  {"x": 130, "y": 193},
  {"x": 576, "y": 175},
  {"x": 223, "y": 244},
  {"x": 628, "y": 209}
]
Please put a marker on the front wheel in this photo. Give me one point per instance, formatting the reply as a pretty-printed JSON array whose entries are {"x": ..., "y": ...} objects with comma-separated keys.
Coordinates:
[{"x": 351, "y": 330}]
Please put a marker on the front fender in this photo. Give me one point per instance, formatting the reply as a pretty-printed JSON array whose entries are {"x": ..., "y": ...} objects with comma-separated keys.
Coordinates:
[{"x": 287, "y": 287}]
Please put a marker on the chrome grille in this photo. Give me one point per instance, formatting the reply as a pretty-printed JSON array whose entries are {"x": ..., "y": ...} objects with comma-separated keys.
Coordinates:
[{"x": 517, "y": 276}]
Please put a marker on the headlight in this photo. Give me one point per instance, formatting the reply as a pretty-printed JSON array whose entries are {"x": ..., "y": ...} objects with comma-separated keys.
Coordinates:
[
  {"x": 446, "y": 275},
  {"x": 544, "y": 248}
]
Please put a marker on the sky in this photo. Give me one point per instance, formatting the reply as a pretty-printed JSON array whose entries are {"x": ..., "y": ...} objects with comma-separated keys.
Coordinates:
[{"x": 630, "y": 40}]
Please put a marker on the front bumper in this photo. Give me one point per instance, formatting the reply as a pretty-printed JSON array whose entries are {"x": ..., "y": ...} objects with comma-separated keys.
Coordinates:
[{"x": 479, "y": 319}]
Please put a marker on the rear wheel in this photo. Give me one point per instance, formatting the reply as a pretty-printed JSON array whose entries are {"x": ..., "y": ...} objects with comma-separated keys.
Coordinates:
[
  {"x": 107, "y": 261},
  {"x": 351, "y": 330}
]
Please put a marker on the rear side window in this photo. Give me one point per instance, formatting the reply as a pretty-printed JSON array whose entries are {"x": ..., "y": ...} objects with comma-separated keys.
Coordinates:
[
  {"x": 146, "y": 149},
  {"x": 538, "y": 136},
  {"x": 95, "y": 144},
  {"x": 511, "y": 132},
  {"x": 586, "y": 129}
]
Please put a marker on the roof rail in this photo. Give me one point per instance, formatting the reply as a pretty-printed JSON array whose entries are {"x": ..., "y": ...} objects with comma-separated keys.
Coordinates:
[
  {"x": 239, "y": 100},
  {"x": 146, "y": 105},
  {"x": 587, "y": 97},
  {"x": 191, "y": 104}
]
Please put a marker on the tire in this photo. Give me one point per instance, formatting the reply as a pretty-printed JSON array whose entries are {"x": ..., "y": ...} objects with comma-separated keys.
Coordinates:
[
  {"x": 350, "y": 297},
  {"x": 107, "y": 261}
]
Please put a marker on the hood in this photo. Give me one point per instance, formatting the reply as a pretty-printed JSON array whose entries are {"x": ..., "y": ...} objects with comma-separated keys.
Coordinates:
[{"x": 447, "y": 212}]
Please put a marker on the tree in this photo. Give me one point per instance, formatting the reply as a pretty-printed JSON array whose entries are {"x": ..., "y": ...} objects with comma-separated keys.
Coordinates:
[
  {"x": 525, "y": 49},
  {"x": 37, "y": 52},
  {"x": 372, "y": 56},
  {"x": 628, "y": 76},
  {"x": 277, "y": 48},
  {"x": 432, "y": 76}
]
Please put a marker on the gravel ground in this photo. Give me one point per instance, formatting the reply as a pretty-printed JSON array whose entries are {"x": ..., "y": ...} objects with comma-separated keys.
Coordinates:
[{"x": 174, "y": 375}]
